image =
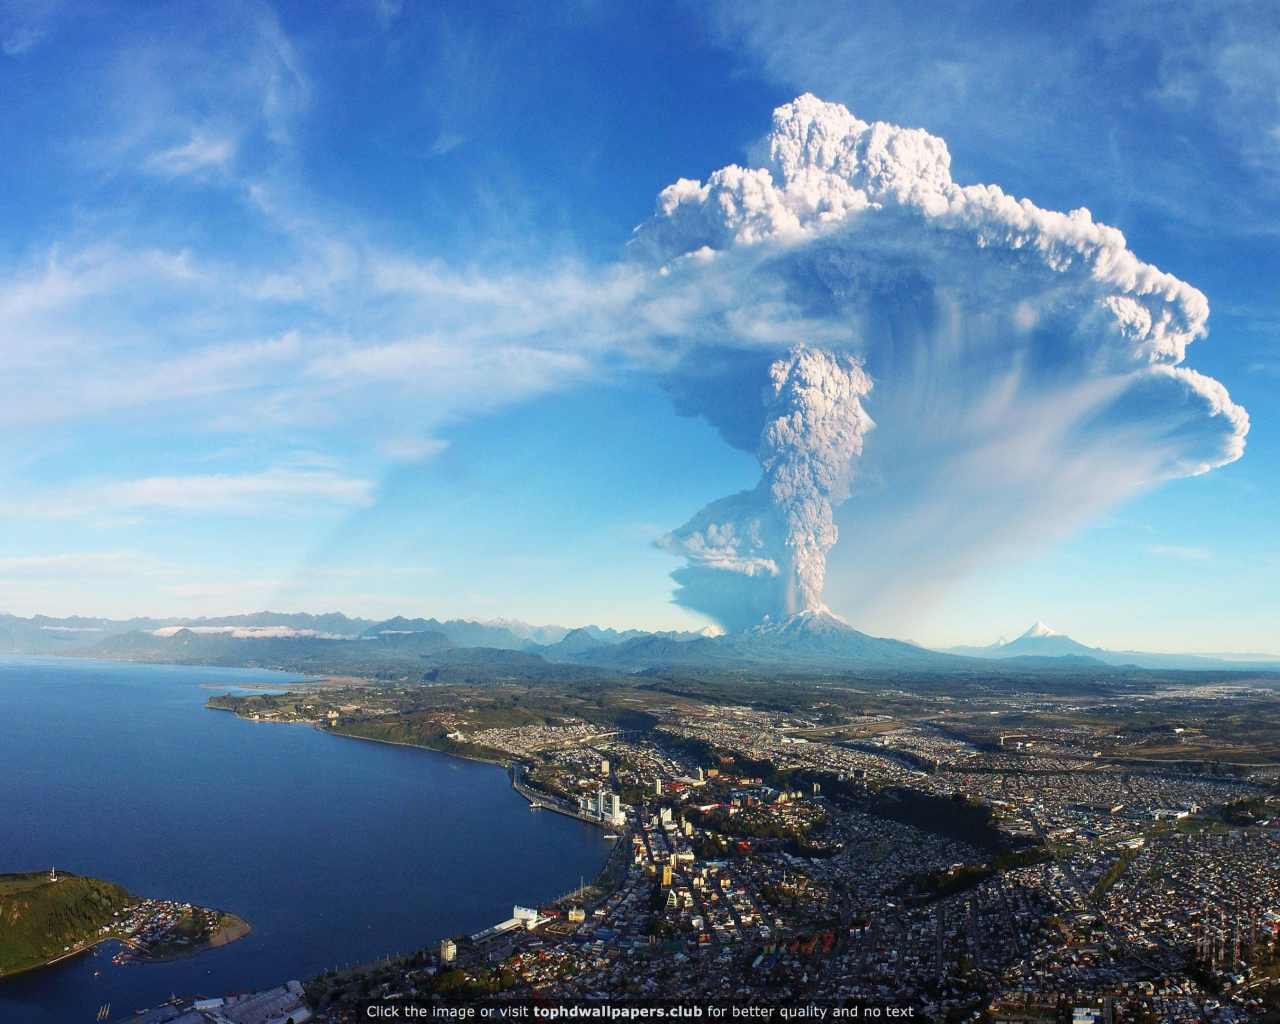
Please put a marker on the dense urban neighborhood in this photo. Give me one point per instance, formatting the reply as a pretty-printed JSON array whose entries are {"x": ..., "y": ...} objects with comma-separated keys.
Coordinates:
[{"x": 997, "y": 857}]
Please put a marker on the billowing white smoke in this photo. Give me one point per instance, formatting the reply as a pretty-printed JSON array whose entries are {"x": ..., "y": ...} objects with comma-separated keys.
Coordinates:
[
  {"x": 1025, "y": 366},
  {"x": 813, "y": 430}
]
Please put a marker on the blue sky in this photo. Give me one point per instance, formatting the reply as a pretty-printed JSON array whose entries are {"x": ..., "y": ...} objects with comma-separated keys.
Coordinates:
[{"x": 320, "y": 307}]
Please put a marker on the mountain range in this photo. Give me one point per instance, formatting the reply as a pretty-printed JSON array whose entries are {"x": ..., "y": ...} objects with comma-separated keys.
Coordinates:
[
  {"x": 41, "y": 634},
  {"x": 811, "y": 639},
  {"x": 401, "y": 647},
  {"x": 338, "y": 644}
]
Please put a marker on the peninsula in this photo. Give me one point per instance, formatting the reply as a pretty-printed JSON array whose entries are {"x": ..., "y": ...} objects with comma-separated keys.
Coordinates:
[{"x": 49, "y": 916}]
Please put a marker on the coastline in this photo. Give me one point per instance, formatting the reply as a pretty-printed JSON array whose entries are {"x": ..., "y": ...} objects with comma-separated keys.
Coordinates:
[
  {"x": 394, "y": 743},
  {"x": 589, "y": 894},
  {"x": 221, "y": 938},
  {"x": 6, "y": 975},
  {"x": 233, "y": 932},
  {"x": 541, "y": 802},
  {"x": 320, "y": 727},
  {"x": 623, "y": 832},
  {"x": 548, "y": 802}
]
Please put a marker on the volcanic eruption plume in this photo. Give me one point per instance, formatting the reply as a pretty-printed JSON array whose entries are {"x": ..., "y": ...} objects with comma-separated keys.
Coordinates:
[
  {"x": 813, "y": 430},
  {"x": 1026, "y": 368}
]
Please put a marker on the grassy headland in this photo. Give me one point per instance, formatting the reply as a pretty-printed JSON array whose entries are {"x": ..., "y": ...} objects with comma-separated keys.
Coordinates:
[{"x": 43, "y": 920}]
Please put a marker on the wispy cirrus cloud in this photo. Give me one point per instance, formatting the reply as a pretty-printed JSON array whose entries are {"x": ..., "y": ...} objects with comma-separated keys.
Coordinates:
[
  {"x": 412, "y": 449},
  {"x": 62, "y": 279},
  {"x": 313, "y": 323},
  {"x": 242, "y": 493},
  {"x": 268, "y": 491},
  {"x": 1186, "y": 553},
  {"x": 1106, "y": 94},
  {"x": 24, "y": 23},
  {"x": 85, "y": 565},
  {"x": 194, "y": 87},
  {"x": 203, "y": 152},
  {"x": 135, "y": 332}
]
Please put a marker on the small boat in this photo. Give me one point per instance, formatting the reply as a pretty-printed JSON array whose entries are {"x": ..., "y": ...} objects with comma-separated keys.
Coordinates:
[{"x": 610, "y": 835}]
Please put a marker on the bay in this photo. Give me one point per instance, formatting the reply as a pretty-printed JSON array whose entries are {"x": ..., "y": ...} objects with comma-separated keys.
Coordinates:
[{"x": 336, "y": 850}]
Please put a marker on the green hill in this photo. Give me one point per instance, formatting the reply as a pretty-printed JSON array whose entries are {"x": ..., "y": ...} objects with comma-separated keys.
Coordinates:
[{"x": 39, "y": 919}]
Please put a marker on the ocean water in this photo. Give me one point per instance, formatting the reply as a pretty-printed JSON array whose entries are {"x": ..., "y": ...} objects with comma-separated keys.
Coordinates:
[{"x": 336, "y": 850}]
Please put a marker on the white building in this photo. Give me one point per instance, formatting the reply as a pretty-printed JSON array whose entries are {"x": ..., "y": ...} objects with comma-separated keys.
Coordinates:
[{"x": 605, "y": 807}]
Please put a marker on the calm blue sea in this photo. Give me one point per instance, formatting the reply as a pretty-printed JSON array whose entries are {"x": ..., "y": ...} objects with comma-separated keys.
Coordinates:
[{"x": 335, "y": 850}]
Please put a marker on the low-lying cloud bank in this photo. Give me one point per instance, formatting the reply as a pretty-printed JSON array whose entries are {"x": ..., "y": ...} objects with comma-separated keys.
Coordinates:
[{"x": 929, "y": 372}]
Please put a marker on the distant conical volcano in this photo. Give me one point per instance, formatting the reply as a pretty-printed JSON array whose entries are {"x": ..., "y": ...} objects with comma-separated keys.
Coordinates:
[{"x": 1042, "y": 643}]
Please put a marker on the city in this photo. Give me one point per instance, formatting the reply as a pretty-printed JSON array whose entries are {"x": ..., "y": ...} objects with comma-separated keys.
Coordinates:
[{"x": 999, "y": 857}]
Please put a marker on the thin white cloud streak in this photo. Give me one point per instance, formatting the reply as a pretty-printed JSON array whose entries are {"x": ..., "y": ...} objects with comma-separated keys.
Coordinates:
[
  {"x": 61, "y": 280},
  {"x": 508, "y": 370},
  {"x": 1179, "y": 551},
  {"x": 122, "y": 584},
  {"x": 272, "y": 490},
  {"x": 106, "y": 565},
  {"x": 243, "y": 493},
  {"x": 203, "y": 152},
  {"x": 412, "y": 449}
]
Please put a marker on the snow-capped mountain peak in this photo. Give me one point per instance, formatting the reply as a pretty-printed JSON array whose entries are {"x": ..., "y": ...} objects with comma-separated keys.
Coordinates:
[{"x": 1038, "y": 630}]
